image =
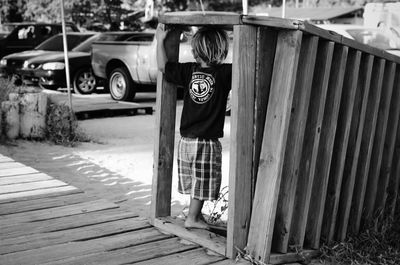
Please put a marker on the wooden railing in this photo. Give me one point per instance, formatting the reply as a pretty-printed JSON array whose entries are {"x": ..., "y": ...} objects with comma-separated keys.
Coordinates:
[{"x": 315, "y": 135}]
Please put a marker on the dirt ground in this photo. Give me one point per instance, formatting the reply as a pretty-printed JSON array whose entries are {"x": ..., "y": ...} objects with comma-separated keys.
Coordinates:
[{"x": 117, "y": 164}]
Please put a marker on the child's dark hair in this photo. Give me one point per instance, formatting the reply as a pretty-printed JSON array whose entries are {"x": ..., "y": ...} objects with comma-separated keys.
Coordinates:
[{"x": 210, "y": 45}]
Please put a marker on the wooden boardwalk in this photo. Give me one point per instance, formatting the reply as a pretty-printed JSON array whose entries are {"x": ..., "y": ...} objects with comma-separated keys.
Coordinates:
[{"x": 45, "y": 221}]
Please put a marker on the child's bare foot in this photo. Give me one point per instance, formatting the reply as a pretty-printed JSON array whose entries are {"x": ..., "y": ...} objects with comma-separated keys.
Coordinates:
[{"x": 199, "y": 224}]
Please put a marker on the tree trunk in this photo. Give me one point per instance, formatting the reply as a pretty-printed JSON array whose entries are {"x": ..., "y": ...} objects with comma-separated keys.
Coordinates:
[
  {"x": 33, "y": 115},
  {"x": 10, "y": 112}
]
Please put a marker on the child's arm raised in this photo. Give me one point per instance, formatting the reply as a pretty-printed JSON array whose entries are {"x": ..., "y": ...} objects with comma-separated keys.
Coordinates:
[{"x": 162, "y": 59}]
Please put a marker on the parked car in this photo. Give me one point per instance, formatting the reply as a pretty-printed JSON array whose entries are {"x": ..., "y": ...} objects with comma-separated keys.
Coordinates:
[
  {"x": 26, "y": 36},
  {"x": 6, "y": 28},
  {"x": 130, "y": 66},
  {"x": 383, "y": 38},
  {"x": 48, "y": 71},
  {"x": 12, "y": 63}
]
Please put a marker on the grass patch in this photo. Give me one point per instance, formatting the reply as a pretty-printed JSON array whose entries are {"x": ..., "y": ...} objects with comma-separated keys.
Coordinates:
[{"x": 377, "y": 245}]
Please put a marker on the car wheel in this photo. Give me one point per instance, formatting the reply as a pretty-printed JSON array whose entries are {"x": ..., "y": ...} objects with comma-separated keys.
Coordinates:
[
  {"x": 84, "y": 81},
  {"x": 121, "y": 85}
]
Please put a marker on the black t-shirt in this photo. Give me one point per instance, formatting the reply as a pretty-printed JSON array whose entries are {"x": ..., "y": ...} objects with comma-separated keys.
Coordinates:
[{"x": 204, "y": 99}]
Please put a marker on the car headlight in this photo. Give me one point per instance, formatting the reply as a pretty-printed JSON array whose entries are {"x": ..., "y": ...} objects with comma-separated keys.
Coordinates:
[
  {"x": 3, "y": 62},
  {"x": 53, "y": 66}
]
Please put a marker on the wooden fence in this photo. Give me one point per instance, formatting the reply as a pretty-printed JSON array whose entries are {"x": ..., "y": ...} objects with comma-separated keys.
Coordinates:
[{"x": 315, "y": 136}]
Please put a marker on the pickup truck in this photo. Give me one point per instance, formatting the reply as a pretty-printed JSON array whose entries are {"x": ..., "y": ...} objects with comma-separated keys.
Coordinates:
[{"x": 130, "y": 66}]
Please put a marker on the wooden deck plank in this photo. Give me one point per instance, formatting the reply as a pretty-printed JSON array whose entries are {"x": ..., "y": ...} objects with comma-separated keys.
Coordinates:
[
  {"x": 366, "y": 146},
  {"x": 389, "y": 146},
  {"x": 199, "y": 236},
  {"x": 378, "y": 145},
  {"x": 353, "y": 149},
  {"x": 43, "y": 203},
  {"x": 24, "y": 179},
  {"x": 128, "y": 255},
  {"x": 298, "y": 118},
  {"x": 20, "y": 187},
  {"x": 80, "y": 248},
  {"x": 64, "y": 223},
  {"x": 44, "y": 214},
  {"x": 340, "y": 145},
  {"x": 35, "y": 241},
  {"x": 311, "y": 141},
  {"x": 274, "y": 142},
  {"x": 325, "y": 150},
  {"x": 196, "y": 256},
  {"x": 8, "y": 165},
  {"x": 37, "y": 193},
  {"x": 17, "y": 171}
]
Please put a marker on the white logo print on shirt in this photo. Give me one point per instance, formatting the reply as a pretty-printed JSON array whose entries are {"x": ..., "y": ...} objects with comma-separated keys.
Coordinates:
[{"x": 201, "y": 87}]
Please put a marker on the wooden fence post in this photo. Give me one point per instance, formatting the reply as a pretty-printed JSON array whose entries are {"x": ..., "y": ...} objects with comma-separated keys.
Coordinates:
[
  {"x": 164, "y": 136},
  {"x": 274, "y": 142},
  {"x": 297, "y": 124},
  {"x": 241, "y": 146}
]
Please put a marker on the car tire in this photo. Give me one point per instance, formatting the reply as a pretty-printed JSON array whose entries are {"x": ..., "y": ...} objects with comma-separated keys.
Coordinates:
[
  {"x": 84, "y": 81},
  {"x": 121, "y": 85}
]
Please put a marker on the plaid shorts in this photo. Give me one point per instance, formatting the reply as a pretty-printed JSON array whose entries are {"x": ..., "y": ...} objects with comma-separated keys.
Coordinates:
[{"x": 199, "y": 168}]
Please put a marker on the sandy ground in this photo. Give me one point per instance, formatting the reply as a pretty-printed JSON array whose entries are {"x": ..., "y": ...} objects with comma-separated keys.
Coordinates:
[{"x": 117, "y": 165}]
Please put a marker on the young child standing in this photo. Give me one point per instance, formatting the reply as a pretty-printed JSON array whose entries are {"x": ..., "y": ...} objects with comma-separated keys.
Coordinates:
[{"x": 206, "y": 85}]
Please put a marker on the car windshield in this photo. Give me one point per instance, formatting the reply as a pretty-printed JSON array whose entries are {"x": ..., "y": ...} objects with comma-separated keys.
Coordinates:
[
  {"x": 56, "y": 43},
  {"x": 87, "y": 44},
  {"x": 386, "y": 40}
]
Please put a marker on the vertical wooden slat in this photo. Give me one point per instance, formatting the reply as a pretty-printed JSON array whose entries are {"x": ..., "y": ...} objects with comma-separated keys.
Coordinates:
[
  {"x": 266, "y": 45},
  {"x": 164, "y": 136},
  {"x": 354, "y": 144},
  {"x": 394, "y": 181},
  {"x": 328, "y": 130},
  {"x": 388, "y": 151},
  {"x": 340, "y": 146},
  {"x": 297, "y": 124},
  {"x": 311, "y": 141},
  {"x": 366, "y": 146},
  {"x": 242, "y": 127},
  {"x": 379, "y": 140},
  {"x": 274, "y": 141}
]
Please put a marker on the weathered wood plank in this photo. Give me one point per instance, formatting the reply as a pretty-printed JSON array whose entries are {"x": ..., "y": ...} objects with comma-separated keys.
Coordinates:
[
  {"x": 36, "y": 193},
  {"x": 394, "y": 181},
  {"x": 242, "y": 131},
  {"x": 53, "y": 253},
  {"x": 8, "y": 165},
  {"x": 165, "y": 135},
  {"x": 389, "y": 146},
  {"x": 366, "y": 146},
  {"x": 15, "y": 188},
  {"x": 340, "y": 145},
  {"x": 24, "y": 179},
  {"x": 232, "y": 262},
  {"x": 293, "y": 257},
  {"x": 379, "y": 141},
  {"x": 353, "y": 149},
  {"x": 275, "y": 22},
  {"x": 63, "y": 223},
  {"x": 297, "y": 124},
  {"x": 17, "y": 171},
  {"x": 325, "y": 149},
  {"x": 200, "y": 18},
  {"x": 196, "y": 256},
  {"x": 266, "y": 46},
  {"x": 202, "y": 237},
  {"x": 311, "y": 141},
  {"x": 44, "y": 203},
  {"x": 274, "y": 142},
  {"x": 35, "y": 241},
  {"x": 67, "y": 210},
  {"x": 130, "y": 255}
]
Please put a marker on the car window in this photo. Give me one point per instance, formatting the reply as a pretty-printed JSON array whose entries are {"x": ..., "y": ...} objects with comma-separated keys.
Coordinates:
[
  {"x": 376, "y": 38},
  {"x": 140, "y": 37},
  {"x": 87, "y": 44},
  {"x": 23, "y": 33},
  {"x": 55, "y": 43}
]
